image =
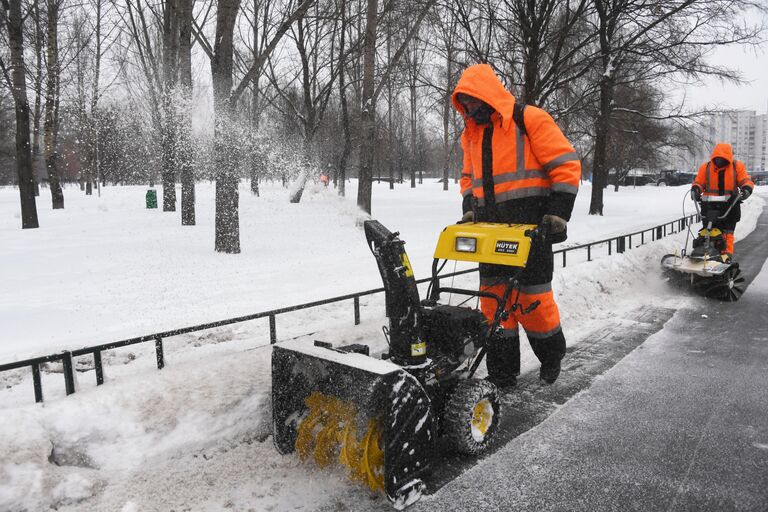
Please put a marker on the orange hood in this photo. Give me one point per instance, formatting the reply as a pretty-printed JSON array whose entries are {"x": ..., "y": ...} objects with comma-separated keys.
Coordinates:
[
  {"x": 722, "y": 150},
  {"x": 479, "y": 81}
]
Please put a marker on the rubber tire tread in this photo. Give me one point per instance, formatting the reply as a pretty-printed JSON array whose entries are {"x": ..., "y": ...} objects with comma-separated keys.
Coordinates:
[{"x": 457, "y": 415}]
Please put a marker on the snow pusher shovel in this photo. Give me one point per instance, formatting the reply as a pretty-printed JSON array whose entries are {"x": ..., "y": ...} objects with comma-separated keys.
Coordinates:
[{"x": 381, "y": 417}]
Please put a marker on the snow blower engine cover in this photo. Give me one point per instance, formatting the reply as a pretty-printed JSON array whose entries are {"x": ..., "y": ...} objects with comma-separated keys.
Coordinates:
[{"x": 485, "y": 242}]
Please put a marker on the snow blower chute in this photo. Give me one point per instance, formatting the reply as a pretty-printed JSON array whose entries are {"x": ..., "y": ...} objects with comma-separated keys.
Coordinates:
[{"x": 381, "y": 417}]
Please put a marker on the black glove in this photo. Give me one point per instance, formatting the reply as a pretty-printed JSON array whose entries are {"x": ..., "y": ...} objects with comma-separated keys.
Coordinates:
[
  {"x": 745, "y": 193},
  {"x": 696, "y": 194},
  {"x": 556, "y": 224}
]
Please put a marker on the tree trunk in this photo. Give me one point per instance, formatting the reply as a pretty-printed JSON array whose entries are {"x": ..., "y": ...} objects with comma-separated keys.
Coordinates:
[
  {"x": 447, "y": 114},
  {"x": 412, "y": 88},
  {"x": 51, "y": 126},
  {"x": 368, "y": 116},
  {"x": 254, "y": 180},
  {"x": 23, "y": 149},
  {"x": 184, "y": 11},
  {"x": 38, "y": 96},
  {"x": 390, "y": 138},
  {"x": 599, "y": 167},
  {"x": 346, "y": 149},
  {"x": 227, "y": 198},
  {"x": 257, "y": 161},
  {"x": 169, "y": 132}
]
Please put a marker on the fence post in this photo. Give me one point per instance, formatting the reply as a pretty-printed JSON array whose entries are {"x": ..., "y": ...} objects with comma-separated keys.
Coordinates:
[
  {"x": 609, "y": 247},
  {"x": 658, "y": 233},
  {"x": 69, "y": 375},
  {"x": 642, "y": 237},
  {"x": 38, "y": 384},
  {"x": 357, "y": 310},
  {"x": 159, "y": 352},
  {"x": 272, "y": 330},
  {"x": 564, "y": 251},
  {"x": 98, "y": 367},
  {"x": 589, "y": 252}
]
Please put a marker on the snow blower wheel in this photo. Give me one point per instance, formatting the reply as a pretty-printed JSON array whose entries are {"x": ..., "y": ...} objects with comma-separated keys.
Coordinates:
[{"x": 471, "y": 416}]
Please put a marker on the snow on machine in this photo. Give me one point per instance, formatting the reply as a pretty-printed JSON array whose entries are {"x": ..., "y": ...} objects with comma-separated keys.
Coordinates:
[
  {"x": 381, "y": 418},
  {"x": 708, "y": 271}
]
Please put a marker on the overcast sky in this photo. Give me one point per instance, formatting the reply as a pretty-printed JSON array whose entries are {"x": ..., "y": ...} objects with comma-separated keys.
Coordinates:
[{"x": 752, "y": 62}]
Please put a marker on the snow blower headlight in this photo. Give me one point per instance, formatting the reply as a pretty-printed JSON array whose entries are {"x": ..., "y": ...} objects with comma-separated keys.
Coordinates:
[{"x": 466, "y": 244}]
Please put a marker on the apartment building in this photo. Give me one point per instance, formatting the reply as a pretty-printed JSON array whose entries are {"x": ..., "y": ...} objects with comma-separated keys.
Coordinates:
[{"x": 746, "y": 131}]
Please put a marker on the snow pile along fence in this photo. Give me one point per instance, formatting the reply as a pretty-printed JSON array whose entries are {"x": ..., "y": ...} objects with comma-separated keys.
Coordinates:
[{"x": 615, "y": 245}]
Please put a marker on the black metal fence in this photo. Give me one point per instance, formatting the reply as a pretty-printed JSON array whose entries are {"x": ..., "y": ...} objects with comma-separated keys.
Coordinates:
[{"x": 615, "y": 245}]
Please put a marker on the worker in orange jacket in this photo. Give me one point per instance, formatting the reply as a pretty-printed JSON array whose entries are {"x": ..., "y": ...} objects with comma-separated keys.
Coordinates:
[
  {"x": 717, "y": 181},
  {"x": 518, "y": 168}
]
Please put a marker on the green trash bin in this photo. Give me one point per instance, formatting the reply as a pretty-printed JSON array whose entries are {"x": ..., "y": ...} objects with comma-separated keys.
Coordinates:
[{"x": 151, "y": 198}]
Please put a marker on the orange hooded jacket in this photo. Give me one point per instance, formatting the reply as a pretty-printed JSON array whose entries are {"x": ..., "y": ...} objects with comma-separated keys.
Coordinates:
[
  {"x": 717, "y": 184},
  {"x": 540, "y": 163}
]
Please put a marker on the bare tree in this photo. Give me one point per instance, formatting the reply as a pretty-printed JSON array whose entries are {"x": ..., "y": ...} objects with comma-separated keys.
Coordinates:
[
  {"x": 51, "y": 105},
  {"x": 17, "y": 82},
  {"x": 170, "y": 74},
  {"x": 38, "y": 40},
  {"x": 184, "y": 145},
  {"x": 347, "y": 144},
  {"x": 644, "y": 40},
  {"x": 315, "y": 37},
  {"x": 371, "y": 92},
  {"x": 225, "y": 98}
]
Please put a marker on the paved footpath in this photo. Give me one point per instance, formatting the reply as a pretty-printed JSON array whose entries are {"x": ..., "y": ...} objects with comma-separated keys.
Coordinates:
[{"x": 679, "y": 424}]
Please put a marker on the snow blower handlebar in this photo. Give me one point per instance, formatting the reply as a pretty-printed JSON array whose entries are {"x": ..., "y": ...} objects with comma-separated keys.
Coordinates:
[{"x": 712, "y": 214}]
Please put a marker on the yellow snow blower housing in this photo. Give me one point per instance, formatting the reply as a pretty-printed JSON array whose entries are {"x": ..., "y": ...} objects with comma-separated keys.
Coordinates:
[
  {"x": 484, "y": 242},
  {"x": 380, "y": 416}
]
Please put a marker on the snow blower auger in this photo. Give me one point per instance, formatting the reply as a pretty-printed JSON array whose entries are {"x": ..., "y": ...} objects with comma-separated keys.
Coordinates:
[
  {"x": 706, "y": 269},
  {"x": 381, "y": 418}
]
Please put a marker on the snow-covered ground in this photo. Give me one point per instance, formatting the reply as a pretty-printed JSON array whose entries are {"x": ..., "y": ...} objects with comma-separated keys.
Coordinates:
[
  {"x": 105, "y": 269},
  {"x": 195, "y": 436}
]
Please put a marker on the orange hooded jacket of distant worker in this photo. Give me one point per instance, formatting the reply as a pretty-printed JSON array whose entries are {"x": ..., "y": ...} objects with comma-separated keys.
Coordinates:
[
  {"x": 718, "y": 184},
  {"x": 536, "y": 164}
]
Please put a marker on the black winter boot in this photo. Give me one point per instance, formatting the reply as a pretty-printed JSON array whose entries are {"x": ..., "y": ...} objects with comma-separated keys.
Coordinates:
[
  {"x": 550, "y": 352},
  {"x": 503, "y": 359}
]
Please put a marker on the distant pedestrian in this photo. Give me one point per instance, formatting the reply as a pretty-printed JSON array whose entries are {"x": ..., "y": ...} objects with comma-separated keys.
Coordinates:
[{"x": 324, "y": 179}]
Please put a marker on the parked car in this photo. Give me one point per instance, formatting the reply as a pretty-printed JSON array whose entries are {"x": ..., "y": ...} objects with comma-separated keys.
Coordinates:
[
  {"x": 631, "y": 180},
  {"x": 671, "y": 177}
]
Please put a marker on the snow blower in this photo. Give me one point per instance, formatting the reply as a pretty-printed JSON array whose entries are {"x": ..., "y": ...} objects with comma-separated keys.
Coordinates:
[
  {"x": 381, "y": 418},
  {"x": 708, "y": 271}
]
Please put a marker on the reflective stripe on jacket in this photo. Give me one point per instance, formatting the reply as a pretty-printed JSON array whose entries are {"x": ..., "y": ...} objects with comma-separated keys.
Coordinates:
[{"x": 536, "y": 163}]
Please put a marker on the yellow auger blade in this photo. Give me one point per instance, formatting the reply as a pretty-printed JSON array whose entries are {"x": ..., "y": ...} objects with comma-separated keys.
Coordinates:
[
  {"x": 321, "y": 431},
  {"x": 329, "y": 427},
  {"x": 372, "y": 463},
  {"x": 370, "y": 415}
]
